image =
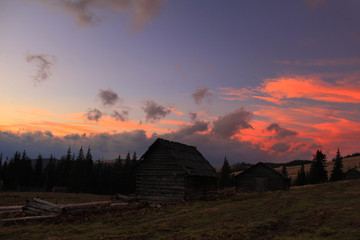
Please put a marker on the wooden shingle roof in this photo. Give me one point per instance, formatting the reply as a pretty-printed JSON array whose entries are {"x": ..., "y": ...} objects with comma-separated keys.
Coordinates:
[
  {"x": 265, "y": 166},
  {"x": 187, "y": 156}
]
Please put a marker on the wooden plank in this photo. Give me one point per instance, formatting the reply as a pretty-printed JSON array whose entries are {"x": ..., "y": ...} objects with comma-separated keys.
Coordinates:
[{"x": 8, "y": 209}]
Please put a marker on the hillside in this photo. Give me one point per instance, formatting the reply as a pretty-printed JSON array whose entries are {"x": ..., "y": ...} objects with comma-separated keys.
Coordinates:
[
  {"x": 347, "y": 162},
  {"x": 324, "y": 211}
]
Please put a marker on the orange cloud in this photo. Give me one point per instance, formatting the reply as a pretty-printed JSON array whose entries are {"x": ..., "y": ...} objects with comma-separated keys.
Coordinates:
[
  {"x": 277, "y": 90},
  {"x": 309, "y": 88}
]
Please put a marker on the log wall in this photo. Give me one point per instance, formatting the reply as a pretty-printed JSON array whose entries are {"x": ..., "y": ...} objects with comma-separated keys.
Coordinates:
[
  {"x": 198, "y": 187},
  {"x": 159, "y": 178},
  {"x": 253, "y": 179}
]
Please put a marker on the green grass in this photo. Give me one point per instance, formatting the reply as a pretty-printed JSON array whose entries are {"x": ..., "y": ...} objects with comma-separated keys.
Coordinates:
[{"x": 326, "y": 211}]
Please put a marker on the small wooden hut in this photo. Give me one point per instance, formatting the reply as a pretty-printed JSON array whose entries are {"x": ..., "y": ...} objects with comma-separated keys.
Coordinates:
[
  {"x": 352, "y": 174},
  {"x": 261, "y": 178},
  {"x": 173, "y": 172}
]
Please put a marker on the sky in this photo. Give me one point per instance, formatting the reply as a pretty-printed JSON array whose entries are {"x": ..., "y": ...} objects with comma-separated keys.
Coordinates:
[{"x": 251, "y": 80}]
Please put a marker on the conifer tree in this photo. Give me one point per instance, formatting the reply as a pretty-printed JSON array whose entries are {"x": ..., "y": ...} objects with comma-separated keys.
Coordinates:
[
  {"x": 134, "y": 158},
  {"x": 318, "y": 173},
  {"x": 301, "y": 177},
  {"x": 225, "y": 177},
  {"x": 337, "y": 172},
  {"x": 127, "y": 165},
  {"x": 118, "y": 163},
  {"x": 38, "y": 171}
]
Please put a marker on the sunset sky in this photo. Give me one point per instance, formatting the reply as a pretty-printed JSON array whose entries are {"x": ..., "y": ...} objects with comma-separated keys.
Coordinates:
[{"x": 251, "y": 80}]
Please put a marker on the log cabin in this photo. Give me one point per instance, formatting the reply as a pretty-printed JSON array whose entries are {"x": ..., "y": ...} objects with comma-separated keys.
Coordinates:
[
  {"x": 261, "y": 178},
  {"x": 352, "y": 174},
  {"x": 174, "y": 172}
]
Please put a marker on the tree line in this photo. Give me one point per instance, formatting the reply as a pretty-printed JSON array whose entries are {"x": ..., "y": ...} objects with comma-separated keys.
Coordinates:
[
  {"x": 317, "y": 173},
  {"x": 77, "y": 173}
]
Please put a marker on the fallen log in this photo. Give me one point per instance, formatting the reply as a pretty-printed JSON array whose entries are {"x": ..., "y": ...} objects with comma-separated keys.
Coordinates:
[
  {"x": 24, "y": 219},
  {"x": 10, "y": 209},
  {"x": 125, "y": 198}
]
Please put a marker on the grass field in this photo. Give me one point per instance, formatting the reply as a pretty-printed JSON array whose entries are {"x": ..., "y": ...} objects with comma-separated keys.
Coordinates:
[{"x": 325, "y": 211}]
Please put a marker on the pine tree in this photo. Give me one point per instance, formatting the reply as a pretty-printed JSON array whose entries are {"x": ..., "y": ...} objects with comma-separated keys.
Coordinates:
[
  {"x": 301, "y": 177},
  {"x": 284, "y": 171},
  {"x": 337, "y": 172},
  {"x": 38, "y": 171},
  {"x": 318, "y": 173},
  {"x": 50, "y": 174},
  {"x": 225, "y": 177},
  {"x": 127, "y": 165},
  {"x": 118, "y": 164}
]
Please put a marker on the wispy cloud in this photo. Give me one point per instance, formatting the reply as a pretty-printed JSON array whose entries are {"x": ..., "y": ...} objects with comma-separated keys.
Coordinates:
[
  {"x": 193, "y": 116},
  {"x": 355, "y": 61},
  {"x": 93, "y": 114},
  {"x": 44, "y": 63},
  {"x": 313, "y": 4},
  {"x": 154, "y": 111},
  {"x": 86, "y": 12},
  {"x": 200, "y": 94},
  {"x": 120, "y": 116}
]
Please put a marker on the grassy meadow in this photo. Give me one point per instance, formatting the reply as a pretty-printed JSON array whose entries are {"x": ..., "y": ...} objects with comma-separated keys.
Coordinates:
[{"x": 324, "y": 211}]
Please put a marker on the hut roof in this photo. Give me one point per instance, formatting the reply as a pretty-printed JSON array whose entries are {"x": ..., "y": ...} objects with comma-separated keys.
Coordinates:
[
  {"x": 189, "y": 157},
  {"x": 265, "y": 166},
  {"x": 352, "y": 170}
]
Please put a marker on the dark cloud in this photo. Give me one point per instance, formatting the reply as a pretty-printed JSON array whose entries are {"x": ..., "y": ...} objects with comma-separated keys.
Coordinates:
[
  {"x": 197, "y": 127},
  {"x": 44, "y": 63},
  {"x": 200, "y": 94},
  {"x": 280, "y": 147},
  {"x": 72, "y": 137},
  {"x": 85, "y": 12},
  {"x": 48, "y": 133},
  {"x": 108, "y": 146},
  {"x": 103, "y": 146},
  {"x": 120, "y": 116},
  {"x": 93, "y": 114},
  {"x": 281, "y": 132},
  {"x": 227, "y": 125},
  {"x": 154, "y": 111},
  {"x": 193, "y": 116},
  {"x": 108, "y": 97}
]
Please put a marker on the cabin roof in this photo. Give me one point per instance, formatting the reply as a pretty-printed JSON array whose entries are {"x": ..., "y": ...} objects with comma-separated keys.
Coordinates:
[
  {"x": 187, "y": 156},
  {"x": 264, "y": 165},
  {"x": 354, "y": 170}
]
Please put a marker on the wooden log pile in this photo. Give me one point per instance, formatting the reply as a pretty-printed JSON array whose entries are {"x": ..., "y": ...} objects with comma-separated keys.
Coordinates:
[{"x": 41, "y": 207}]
